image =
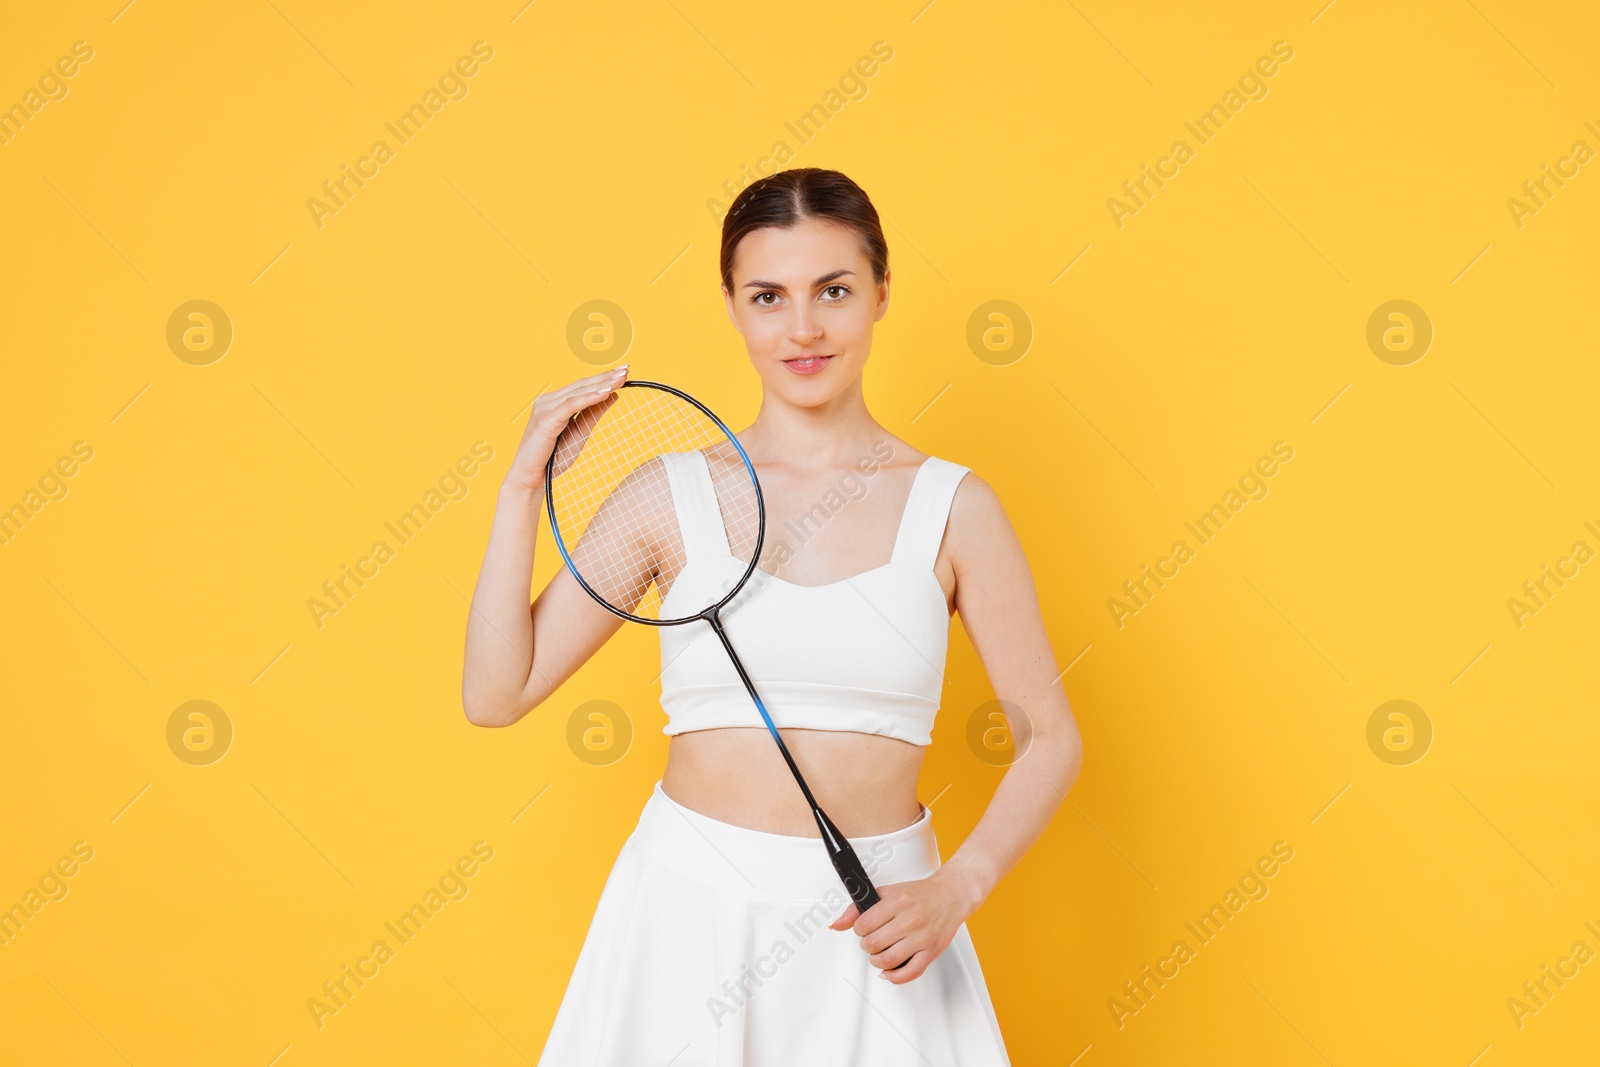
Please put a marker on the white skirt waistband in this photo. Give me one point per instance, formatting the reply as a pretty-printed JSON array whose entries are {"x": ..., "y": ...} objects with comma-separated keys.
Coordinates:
[{"x": 775, "y": 866}]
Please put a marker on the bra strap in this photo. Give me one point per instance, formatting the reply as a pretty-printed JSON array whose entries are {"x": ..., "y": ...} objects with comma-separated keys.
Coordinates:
[
  {"x": 927, "y": 512},
  {"x": 694, "y": 500}
]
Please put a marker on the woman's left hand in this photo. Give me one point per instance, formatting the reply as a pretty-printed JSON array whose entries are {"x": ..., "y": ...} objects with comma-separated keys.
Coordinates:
[{"x": 912, "y": 921}]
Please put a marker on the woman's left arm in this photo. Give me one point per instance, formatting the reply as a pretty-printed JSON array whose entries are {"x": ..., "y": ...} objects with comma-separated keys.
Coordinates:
[{"x": 999, "y": 609}]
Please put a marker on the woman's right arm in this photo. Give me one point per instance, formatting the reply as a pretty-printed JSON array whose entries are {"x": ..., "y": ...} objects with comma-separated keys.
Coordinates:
[{"x": 517, "y": 654}]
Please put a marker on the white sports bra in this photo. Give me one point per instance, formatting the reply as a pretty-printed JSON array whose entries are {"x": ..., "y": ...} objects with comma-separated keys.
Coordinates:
[{"x": 864, "y": 654}]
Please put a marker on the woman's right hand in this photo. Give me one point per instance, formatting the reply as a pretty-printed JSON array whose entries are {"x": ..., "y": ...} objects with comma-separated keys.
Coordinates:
[{"x": 551, "y": 412}]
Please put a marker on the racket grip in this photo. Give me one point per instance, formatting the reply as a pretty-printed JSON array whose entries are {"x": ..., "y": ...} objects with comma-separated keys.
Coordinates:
[
  {"x": 855, "y": 879},
  {"x": 846, "y": 863}
]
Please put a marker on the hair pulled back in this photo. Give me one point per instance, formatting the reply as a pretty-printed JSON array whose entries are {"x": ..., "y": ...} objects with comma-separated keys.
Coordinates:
[{"x": 780, "y": 200}]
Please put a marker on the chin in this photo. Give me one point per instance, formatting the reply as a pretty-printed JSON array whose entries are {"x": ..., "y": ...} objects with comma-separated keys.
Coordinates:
[
  {"x": 810, "y": 392},
  {"x": 809, "y": 398}
]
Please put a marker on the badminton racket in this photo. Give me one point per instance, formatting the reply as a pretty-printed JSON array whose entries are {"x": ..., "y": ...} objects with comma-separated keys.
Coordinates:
[{"x": 625, "y": 538}]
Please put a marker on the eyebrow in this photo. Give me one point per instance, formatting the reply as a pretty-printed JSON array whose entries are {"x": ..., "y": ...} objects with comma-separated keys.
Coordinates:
[{"x": 825, "y": 279}]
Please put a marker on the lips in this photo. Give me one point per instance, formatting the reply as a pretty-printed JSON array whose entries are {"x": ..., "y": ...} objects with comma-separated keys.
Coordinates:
[{"x": 808, "y": 364}]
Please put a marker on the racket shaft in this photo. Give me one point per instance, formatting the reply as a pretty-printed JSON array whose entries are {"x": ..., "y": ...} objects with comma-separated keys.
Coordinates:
[{"x": 844, "y": 858}]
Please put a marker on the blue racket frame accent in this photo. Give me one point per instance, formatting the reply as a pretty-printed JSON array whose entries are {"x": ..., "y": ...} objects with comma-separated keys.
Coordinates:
[
  {"x": 845, "y": 861},
  {"x": 761, "y": 516}
]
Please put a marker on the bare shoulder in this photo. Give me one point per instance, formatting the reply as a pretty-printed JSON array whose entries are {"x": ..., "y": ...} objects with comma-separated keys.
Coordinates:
[
  {"x": 976, "y": 513},
  {"x": 984, "y": 551}
]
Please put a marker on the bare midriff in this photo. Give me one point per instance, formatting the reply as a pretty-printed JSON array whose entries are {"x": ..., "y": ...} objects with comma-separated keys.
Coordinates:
[{"x": 866, "y": 783}]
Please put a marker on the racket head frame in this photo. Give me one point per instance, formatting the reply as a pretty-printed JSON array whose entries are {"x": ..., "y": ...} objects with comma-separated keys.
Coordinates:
[
  {"x": 858, "y": 884},
  {"x": 761, "y": 514}
]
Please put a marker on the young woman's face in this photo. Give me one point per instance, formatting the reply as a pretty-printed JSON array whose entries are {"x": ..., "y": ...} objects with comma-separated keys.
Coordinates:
[{"x": 801, "y": 293}]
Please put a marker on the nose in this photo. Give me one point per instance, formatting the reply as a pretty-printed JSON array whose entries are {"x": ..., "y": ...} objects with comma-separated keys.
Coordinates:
[{"x": 805, "y": 328}]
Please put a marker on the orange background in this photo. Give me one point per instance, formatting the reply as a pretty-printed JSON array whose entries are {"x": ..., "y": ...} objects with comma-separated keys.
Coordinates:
[{"x": 1139, "y": 371}]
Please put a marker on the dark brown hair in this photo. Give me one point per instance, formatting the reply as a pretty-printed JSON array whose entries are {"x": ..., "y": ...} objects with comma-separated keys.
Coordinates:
[{"x": 784, "y": 198}]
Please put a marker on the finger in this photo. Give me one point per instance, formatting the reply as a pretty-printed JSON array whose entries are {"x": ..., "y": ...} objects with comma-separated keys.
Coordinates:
[
  {"x": 612, "y": 378},
  {"x": 590, "y": 411},
  {"x": 578, "y": 408},
  {"x": 549, "y": 421},
  {"x": 895, "y": 954},
  {"x": 876, "y": 916},
  {"x": 591, "y": 396},
  {"x": 911, "y": 971},
  {"x": 897, "y": 929},
  {"x": 593, "y": 383},
  {"x": 571, "y": 426},
  {"x": 847, "y": 920},
  {"x": 584, "y": 401},
  {"x": 552, "y": 410}
]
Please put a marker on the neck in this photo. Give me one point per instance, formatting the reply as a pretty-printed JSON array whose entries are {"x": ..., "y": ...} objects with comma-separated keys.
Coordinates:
[{"x": 838, "y": 431}]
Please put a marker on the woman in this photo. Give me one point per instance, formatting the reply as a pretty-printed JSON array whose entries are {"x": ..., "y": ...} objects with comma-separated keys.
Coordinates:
[{"x": 711, "y": 942}]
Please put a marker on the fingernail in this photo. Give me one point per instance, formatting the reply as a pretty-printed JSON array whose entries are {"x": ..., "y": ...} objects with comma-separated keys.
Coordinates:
[{"x": 884, "y": 975}]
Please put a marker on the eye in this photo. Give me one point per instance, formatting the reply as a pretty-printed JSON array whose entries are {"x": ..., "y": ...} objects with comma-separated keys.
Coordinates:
[
  {"x": 765, "y": 292},
  {"x": 843, "y": 291}
]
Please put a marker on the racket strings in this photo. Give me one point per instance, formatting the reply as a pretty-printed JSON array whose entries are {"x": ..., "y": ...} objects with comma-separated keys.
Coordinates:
[{"x": 614, "y": 509}]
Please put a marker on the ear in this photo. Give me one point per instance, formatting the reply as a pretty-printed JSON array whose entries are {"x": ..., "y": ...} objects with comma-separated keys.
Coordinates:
[
  {"x": 883, "y": 298},
  {"x": 727, "y": 300}
]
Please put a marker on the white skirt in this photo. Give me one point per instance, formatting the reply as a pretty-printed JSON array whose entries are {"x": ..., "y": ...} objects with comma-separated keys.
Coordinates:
[{"x": 710, "y": 947}]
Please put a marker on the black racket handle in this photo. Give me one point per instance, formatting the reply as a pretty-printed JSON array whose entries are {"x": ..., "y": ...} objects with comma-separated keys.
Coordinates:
[
  {"x": 854, "y": 877},
  {"x": 846, "y": 862},
  {"x": 851, "y": 873}
]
